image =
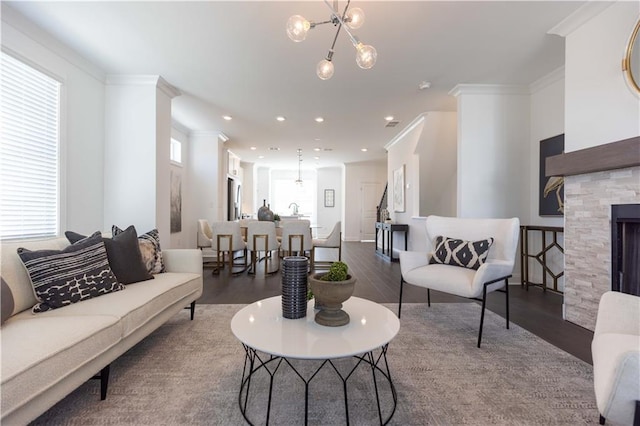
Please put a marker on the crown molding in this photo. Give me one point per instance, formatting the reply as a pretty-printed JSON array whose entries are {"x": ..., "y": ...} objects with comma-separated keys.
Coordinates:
[
  {"x": 143, "y": 80},
  {"x": 416, "y": 121},
  {"x": 205, "y": 133},
  {"x": 578, "y": 18},
  {"x": 180, "y": 127},
  {"x": 488, "y": 89},
  {"x": 547, "y": 80}
]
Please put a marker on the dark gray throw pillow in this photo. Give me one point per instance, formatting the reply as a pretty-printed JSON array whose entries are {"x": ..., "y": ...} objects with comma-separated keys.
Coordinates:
[
  {"x": 124, "y": 255},
  {"x": 457, "y": 252},
  {"x": 6, "y": 300},
  {"x": 61, "y": 277},
  {"x": 149, "y": 243}
]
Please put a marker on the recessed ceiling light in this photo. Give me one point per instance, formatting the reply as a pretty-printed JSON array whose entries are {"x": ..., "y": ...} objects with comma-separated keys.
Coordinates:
[
  {"x": 317, "y": 139},
  {"x": 280, "y": 118},
  {"x": 261, "y": 156},
  {"x": 316, "y": 158},
  {"x": 253, "y": 148},
  {"x": 227, "y": 117},
  {"x": 389, "y": 117},
  {"x": 363, "y": 149},
  {"x": 316, "y": 149},
  {"x": 274, "y": 148},
  {"x": 319, "y": 119}
]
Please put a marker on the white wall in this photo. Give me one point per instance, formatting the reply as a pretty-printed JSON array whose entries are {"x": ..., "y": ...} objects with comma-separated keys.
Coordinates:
[
  {"x": 438, "y": 157},
  {"x": 137, "y": 147},
  {"x": 329, "y": 178},
  {"x": 600, "y": 108},
  {"x": 493, "y": 140},
  {"x": 248, "y": 190},
  {"x": 202, "y": 192},
  {"x": 82, "y": 118},
  {"x": 356, "y": 174}
]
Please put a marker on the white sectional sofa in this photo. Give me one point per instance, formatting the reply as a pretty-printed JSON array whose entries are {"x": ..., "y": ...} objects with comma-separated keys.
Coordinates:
[{"x": 47, "y": 355}]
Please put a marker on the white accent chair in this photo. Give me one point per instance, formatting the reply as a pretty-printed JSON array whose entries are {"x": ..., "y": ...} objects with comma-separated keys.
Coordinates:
[
  {"x": 203, "y": 241},
  {"x": 616, "y": 358},
  {"x": 333, "y": 241},
  {"x": 227, "y": 241},
  {"x": 261, "y": 236},
  {"x": 244, "y": 226},
  {"x": 494, "y": 274},
  {"x": 296, "y": 237}
]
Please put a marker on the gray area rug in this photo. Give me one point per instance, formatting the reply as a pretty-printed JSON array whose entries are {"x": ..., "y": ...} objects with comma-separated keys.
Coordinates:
[{"x": 188, "y": 372}]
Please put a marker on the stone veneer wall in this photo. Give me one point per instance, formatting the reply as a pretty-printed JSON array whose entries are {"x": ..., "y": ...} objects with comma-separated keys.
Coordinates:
[{"x": 588, "y": 200}]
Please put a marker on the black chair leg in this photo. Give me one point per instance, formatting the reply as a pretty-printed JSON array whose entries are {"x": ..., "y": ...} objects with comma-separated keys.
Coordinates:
[
  {"x": 484, "y": 301},
  {"x": 400, "y": 301},
  {"x": 193, "y": 309},
  {"x": 428, "y": 298},
  {"x": 602, "y": 420},
  {"x": 506, "y": 295},
  {"x": 104, "y": 382},
  {"x": 636, "y": 415}
]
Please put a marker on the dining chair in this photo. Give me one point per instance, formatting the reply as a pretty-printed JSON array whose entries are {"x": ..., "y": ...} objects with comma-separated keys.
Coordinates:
[
  {"x": 261, "y": 237},
  {"x": 296, "y": 237},
  {"x": 333, "y": 241},
  {"x": 227, "y": 242}
]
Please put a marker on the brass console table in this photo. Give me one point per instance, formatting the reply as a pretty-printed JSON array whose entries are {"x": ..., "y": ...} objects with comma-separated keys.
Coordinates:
[{"x": 548, "y": 276}]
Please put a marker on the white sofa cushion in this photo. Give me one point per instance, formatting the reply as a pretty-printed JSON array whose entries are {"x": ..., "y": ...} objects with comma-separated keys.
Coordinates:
[
  {"x": 449, "y": 279},
  {"x": 39, "y": 350}
]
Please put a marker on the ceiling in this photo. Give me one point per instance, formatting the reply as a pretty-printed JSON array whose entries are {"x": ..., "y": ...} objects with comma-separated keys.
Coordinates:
[{"x": 235, "y": 58}]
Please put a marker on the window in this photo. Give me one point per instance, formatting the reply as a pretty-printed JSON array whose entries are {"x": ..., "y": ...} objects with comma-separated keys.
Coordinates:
[
  {"x": 29, "y": 152},
  {"x": 176, "y": 151}
]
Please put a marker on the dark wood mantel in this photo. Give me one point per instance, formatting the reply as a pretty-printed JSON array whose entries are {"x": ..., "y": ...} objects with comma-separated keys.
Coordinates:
[{"x": 611, "y": 156}]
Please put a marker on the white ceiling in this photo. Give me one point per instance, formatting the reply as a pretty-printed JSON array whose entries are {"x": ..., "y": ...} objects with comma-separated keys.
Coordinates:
[{"x": 235, "y": 58}]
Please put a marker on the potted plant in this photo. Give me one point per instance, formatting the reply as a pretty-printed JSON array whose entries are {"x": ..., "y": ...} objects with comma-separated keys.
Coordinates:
[
  {"x": 330, "y": 289},
  {"x": 276, "y": 219}
]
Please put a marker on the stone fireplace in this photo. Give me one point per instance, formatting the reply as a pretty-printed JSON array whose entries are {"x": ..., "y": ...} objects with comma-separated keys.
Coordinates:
[{"x": 595, "y": 179}]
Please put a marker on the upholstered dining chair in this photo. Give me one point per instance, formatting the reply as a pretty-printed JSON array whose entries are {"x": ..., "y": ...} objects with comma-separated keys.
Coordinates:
[
  {"x": 203, "y": 240},
  {"x": 616, "y": 358},
  {"x": 296, "y": 237},
  {"x": 333, "y": 241},
  {"x": 244, "y": 225},
  {"x": 465, "y": 257},
  {"x": 227, "y": 242},
  {"x": 261, "y": 237}
]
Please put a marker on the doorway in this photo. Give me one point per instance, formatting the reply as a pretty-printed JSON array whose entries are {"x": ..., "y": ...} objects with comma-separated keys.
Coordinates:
[{"x": 371, "y": 193}]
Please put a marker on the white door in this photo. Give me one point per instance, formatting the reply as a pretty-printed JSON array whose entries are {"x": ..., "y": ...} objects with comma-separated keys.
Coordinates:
[{"x": 371, "y": 195}]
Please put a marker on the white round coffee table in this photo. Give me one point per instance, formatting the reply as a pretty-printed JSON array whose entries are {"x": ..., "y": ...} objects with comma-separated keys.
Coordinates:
[{"x": 261, "y": 328}]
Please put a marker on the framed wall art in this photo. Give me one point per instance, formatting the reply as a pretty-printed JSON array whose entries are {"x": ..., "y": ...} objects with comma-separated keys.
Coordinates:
[
  {"x": 329, "y": 198},
  {"x": 551, "y": 189},
  {"x": 398, "y": 189}
]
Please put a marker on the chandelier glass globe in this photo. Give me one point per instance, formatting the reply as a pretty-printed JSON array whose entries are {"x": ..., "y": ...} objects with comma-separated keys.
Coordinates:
[
  {"x": 354, "y": 18},
  {"x": 366, "y": 56},
  {"x": 324, "y": 69},
  {"x": 298, "y": 28}
]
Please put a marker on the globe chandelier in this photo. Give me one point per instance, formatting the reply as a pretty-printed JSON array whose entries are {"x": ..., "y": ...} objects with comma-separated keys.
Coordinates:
[{"x": 350, "y": 19}]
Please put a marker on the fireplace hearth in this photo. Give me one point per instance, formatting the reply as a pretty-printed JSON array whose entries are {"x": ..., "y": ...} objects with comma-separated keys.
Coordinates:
[{"x": 625, "y": 248}]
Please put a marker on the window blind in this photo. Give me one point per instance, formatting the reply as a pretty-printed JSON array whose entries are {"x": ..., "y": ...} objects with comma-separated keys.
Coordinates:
[{"x": 29, "y": 151}]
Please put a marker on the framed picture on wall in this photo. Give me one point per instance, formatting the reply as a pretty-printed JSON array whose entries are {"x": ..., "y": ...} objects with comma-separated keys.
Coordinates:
[
  {"x": 329, "y": 198},
  {"x": 551, "y": 188},
  {"x": 398, "y": 189}
]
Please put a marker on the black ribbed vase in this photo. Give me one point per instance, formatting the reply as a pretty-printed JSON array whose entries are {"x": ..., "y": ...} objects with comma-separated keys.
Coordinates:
[{"x": 294, "y": 287}]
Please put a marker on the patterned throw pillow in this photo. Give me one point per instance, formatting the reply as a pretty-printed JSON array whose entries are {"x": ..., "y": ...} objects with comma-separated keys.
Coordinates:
[
  {"x": 149, "y": 248},
  {"x": 123, "y": 252},
  {"x": 468, "y": 254},
  {"x": 61, "y": 277}
]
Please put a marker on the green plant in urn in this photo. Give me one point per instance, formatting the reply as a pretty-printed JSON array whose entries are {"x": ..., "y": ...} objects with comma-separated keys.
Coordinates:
[{"x": 330, "y": 290}]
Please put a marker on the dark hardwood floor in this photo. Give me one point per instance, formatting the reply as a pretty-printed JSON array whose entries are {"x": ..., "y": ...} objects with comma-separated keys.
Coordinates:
[{"x": 535, "y": 310}]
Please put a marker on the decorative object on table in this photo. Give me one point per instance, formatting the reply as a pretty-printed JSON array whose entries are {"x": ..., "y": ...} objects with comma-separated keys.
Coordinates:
[
  {"x": 294, "y": 287},
  {"x": 330, "y": 289},
  {"x": 347, "y": 19},
  {"x": 551, "y": 189},
  {"x": 384, "y": 215},
  {"x": 329, "y": 198},
  {"x": 398, "y": 189},
  {"x": 276, "y": 219},
  {"x": 264, "y": 212}
]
